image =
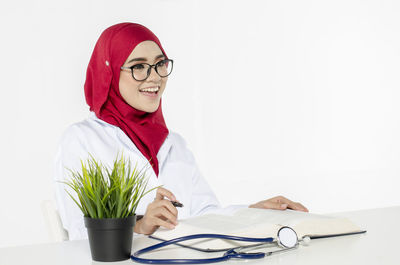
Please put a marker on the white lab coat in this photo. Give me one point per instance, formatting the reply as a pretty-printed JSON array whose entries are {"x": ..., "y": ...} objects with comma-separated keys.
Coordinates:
[{"x": 178, "y": 171}]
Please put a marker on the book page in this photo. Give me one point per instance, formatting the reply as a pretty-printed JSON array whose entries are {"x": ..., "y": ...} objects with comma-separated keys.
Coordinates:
[
  {"x": 257, "y": 223},
  {"x": 324, "y": 227},
  {"x": 283, "y": 218},
  {"x": 302, "y": 222},
  {"x": 217, "y": 224}
]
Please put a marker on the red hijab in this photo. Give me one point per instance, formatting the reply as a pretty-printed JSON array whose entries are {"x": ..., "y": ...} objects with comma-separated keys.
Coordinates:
[{"x": 146, "y": 130}]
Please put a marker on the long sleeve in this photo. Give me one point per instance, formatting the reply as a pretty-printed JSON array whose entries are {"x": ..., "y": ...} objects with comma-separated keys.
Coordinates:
[
  {"x": 68, "y": 156},
  {"x": 102, "y": 141},
  {"x": 179, "y": 172}
]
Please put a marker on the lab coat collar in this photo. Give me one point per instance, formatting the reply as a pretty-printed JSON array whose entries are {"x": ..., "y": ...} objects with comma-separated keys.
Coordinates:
[{"x": 162, "y": 153}]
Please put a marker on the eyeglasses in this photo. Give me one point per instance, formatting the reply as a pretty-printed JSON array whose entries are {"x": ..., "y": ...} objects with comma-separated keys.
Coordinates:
[{"x": 141, "y": 71}]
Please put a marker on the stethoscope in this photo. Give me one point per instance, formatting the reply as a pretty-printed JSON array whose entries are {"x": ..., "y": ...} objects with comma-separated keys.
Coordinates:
[{"x": 286, "y": 239}]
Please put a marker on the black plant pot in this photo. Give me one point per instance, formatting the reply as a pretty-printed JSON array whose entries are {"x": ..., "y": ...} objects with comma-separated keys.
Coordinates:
[{"x": 110, "y": 239}]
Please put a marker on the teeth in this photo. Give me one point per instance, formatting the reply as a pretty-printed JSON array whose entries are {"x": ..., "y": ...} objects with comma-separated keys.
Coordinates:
[{"x": 152, "y": 89}]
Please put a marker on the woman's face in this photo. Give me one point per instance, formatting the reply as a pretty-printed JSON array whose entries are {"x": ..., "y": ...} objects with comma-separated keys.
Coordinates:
[{"x": 143, "y": 95}]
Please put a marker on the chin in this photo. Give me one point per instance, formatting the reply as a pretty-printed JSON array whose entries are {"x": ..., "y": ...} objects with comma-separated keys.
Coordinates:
[{"x": 151, "y": 109}]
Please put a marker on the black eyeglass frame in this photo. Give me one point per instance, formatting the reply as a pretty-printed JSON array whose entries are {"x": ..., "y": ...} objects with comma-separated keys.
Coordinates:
[{"x": 150, "y": 67}]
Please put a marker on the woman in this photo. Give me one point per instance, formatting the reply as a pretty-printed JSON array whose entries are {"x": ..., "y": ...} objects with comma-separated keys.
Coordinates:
[{"x": 126, "y": 77}]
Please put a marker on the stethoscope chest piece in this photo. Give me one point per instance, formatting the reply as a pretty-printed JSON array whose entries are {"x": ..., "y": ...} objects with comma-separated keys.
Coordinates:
[{"x": 287, "y": 237}]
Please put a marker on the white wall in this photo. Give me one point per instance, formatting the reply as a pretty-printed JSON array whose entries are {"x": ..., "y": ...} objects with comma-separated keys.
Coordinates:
[{"x": 298, "y": 98}]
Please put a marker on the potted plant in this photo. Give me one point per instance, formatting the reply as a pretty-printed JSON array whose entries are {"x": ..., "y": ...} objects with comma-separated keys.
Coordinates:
[{"x": 108, "y": 199}]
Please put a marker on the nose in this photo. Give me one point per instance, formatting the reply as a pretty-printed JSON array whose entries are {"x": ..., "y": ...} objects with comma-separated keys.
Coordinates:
[{"x": 153, "y": 76}]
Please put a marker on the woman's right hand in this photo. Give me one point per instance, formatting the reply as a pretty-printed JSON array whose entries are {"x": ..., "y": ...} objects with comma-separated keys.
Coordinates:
[{"x": 160, "y": 212}]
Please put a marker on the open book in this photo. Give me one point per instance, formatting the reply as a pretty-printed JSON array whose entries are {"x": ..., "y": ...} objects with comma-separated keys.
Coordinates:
[{"x": 258, "y": 223}]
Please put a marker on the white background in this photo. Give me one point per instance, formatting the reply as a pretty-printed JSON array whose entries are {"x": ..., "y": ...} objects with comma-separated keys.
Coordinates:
[{"x": 299, "y": 98}]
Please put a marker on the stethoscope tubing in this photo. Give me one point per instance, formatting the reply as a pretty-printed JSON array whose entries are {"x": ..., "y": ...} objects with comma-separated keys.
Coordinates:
[{"x": 228, "y": 255}]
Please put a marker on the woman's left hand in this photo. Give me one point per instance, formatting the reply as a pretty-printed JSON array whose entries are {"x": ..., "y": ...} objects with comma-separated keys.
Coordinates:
[{"x": 279, "y": 203}]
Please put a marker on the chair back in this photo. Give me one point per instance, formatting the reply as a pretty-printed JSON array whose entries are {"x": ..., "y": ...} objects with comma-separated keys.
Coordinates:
[{"x": 56, "y": 231}]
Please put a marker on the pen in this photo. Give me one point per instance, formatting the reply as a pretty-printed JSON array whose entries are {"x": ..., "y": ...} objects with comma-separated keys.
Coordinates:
[{"x": 177, "y": 204}]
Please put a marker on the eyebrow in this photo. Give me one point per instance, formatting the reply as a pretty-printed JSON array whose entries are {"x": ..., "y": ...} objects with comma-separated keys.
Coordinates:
[{"x": 145, "y": 59}]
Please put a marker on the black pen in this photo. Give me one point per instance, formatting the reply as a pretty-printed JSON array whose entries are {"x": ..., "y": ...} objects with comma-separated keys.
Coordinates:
[{"x": 177, "y": 204}]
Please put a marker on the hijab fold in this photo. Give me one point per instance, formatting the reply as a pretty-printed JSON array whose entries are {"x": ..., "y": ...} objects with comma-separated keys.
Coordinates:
[{"x": 147, "y": 131}]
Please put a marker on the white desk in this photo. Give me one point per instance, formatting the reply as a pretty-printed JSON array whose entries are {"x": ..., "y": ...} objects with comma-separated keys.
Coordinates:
[{"x": 380, "y": 245}]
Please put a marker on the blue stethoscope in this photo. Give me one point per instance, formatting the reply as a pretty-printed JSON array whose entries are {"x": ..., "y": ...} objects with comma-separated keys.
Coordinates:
[{"x": 286, "y": 239}]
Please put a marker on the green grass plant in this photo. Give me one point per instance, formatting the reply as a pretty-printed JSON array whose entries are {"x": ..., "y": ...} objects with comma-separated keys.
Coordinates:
[{"x": 108, "y": 193}]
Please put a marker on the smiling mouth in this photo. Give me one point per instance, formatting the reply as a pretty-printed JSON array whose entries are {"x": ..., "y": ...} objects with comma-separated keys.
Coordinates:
[{"x": 150, "y": 91}]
